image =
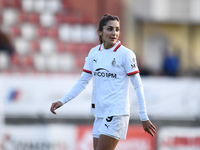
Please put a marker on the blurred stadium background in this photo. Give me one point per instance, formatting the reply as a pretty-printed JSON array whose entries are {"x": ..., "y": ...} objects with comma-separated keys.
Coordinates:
[{"x": 43, "y": 45}]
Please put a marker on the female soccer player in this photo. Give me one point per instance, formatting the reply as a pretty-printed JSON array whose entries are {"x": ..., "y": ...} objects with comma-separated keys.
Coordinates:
[{"x": 111, "y": 65}]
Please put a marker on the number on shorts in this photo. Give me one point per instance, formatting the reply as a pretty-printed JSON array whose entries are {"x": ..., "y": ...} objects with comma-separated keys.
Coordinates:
[{"x": 109, "y": 119}]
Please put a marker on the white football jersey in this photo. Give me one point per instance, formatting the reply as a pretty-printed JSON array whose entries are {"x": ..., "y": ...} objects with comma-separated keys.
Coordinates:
[{"x": 110, "y": 69}]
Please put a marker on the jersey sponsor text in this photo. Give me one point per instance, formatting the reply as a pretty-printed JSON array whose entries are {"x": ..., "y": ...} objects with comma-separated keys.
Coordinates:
[{"x": 99, "y": 72}]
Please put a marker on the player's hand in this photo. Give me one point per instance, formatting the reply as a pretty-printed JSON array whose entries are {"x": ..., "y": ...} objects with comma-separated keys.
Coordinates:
[
  {"x": 55, "y": 106},
  {"x": 149, "y": 127}
]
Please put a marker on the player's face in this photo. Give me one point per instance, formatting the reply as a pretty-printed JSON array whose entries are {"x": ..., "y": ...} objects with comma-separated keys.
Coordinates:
[{"x": 110, "y": 33}]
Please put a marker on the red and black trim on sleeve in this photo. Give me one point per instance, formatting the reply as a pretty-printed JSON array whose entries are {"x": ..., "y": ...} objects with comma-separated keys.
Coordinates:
[
  {"x": 134, "y": 72},
  {"x": 87, "y": 71}
]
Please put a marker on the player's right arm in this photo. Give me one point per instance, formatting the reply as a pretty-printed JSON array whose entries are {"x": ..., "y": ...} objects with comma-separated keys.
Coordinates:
[
  {"x": 76, "y": 90},
  {"x": 78, "y": 87}
]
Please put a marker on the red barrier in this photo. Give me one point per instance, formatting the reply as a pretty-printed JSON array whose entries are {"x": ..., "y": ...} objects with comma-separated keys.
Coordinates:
[{"x": 136, "y": 139}]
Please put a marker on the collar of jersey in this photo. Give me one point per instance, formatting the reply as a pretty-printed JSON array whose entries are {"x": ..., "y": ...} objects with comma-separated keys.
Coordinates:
[{"x": 114, "y": 48}]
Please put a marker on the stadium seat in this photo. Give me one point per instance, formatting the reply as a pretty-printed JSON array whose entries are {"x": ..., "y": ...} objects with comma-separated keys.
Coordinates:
[
  {"x": 39, "y": 6},
  {"x": 27, "y": 5},
  {"x": 28, "y": 31},
  {"x": 64, "y": 32},
  {"x": 39, "y": 62},
  {"x": 4, "y": 61},
  {"x": 46, "y": 34},
  {"x": 66, "y": 62},
  {"x": 9, "y": 17},
  {"x": 75, "y": 33},
  {"x": 47, "y": 46},
  {"x": 22, "y": 46},
  {"x": 47, "y": 19},
  {"x": 53, "y": 6},
  {"x": 52, "y": 62},
  {"x": 89, "y": 34}
]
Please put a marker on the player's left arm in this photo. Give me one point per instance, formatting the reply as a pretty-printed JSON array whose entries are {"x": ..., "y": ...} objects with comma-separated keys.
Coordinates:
[
  {"x": 131, "y": 68},
  {"x": 146, "y": 123}
]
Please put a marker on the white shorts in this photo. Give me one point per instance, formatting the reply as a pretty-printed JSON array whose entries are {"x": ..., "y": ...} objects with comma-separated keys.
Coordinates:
[{"x": 114, "y": 126}]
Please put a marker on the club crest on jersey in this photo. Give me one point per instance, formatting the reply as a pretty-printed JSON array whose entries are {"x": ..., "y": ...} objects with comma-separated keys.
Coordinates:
[
  {"x": 134, "y": 65},
  {"x": 114, "y": 62}
]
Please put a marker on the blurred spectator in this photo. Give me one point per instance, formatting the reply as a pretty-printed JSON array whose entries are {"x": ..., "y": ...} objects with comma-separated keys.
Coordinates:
[
  {"x": 171, "y": 64},
  {"x": 5, "y": 44},
  {"x": 144, "y": 71}
]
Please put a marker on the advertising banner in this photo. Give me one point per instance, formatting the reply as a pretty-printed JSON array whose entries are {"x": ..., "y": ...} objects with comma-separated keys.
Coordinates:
[
  {"x": 137, "y": 139},
  {"x": 179, "y": 138},
  {"x": 68, "y": 137},
  {"x": 32, "y": 95},
  {"x": 39, "y": 137}
]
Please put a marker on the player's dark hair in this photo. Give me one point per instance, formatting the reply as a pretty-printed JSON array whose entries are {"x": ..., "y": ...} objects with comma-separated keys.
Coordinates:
[{"x": 103, "y": 22}]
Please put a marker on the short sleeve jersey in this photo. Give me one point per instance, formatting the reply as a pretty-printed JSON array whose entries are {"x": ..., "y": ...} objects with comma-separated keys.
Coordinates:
[{"x": 110, "y": 69}]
